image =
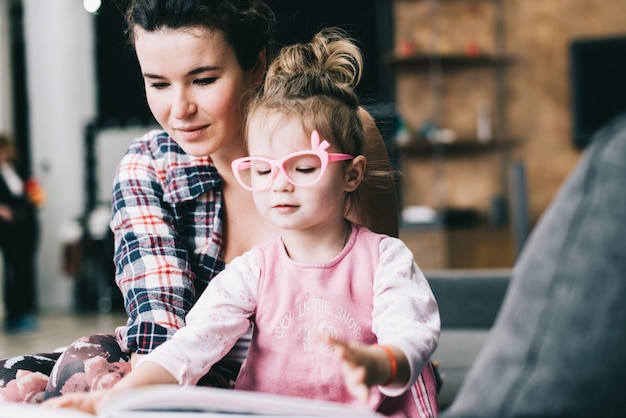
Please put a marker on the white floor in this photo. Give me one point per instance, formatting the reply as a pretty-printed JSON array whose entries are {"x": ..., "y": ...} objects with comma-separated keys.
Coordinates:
[{"x": 57, "y": 330}]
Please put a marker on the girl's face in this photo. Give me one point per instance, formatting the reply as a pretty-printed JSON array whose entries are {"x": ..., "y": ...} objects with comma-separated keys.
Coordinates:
[
  {"x": 283, "y": 204},
  {"x": 195, "y": 87}
]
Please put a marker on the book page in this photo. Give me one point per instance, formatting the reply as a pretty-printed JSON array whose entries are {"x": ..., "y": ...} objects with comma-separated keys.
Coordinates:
[{"x": 177, "y": 401}]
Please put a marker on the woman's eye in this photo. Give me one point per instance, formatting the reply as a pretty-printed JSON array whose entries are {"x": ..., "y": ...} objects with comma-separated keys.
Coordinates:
[
  {"x": 159, "y": 86},
  {"x": 206, "y": 81},
  {"x": 263, "y": 172}
]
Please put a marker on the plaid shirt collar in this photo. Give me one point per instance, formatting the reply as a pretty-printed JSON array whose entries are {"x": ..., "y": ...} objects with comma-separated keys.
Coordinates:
[
  {"x": 187, "y": 177},
  {"x": 188, "y": 181}
]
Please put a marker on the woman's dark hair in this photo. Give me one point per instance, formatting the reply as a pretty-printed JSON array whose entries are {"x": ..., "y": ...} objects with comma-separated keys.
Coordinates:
[{"x": 248, "y": 25}]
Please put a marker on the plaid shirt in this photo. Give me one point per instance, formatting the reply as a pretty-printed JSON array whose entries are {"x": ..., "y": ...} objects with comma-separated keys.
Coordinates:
[{"x": 167, "y": 222}]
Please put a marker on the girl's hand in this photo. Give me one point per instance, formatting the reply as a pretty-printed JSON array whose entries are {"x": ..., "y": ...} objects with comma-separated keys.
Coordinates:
[
  {"x": 88, "y": 402},
  {"x": 134, "y": 359},
  {"x": 363, "y": 366}
]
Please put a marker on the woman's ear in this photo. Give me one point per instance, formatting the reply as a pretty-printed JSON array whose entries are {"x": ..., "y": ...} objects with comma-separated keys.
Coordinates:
[
  {"x": 258, "y": 72},
  {"x": 355, "y": 173}
]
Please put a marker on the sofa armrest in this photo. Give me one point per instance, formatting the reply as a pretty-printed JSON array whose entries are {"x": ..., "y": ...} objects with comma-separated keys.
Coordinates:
[{"x": 468, "y": 298}]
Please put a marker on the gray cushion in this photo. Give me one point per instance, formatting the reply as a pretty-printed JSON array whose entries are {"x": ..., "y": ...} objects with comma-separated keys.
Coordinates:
[
  {"x": 558, "y": 347},
  {"x": 468, "y": 298}
]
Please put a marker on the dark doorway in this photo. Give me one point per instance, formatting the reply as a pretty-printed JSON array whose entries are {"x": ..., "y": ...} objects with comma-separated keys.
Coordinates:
[
  {"x": 369, "y": 22},
  {"x": 120, "y": 95},
  {"x": 19, "y": 100},
  {"x": 121, "y": 99}
]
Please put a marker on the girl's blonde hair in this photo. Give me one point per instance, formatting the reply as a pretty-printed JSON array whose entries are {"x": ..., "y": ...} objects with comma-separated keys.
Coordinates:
[{"x": 315, "y": 82}]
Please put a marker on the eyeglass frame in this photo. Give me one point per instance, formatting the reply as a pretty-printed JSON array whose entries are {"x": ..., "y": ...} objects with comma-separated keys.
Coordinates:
[{"x": 317, "y": 148}]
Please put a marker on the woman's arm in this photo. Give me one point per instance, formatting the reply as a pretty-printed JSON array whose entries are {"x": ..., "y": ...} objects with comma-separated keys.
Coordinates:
[
  {"x": 153, "y": 270},
  {"x": 378, "y": 207}
]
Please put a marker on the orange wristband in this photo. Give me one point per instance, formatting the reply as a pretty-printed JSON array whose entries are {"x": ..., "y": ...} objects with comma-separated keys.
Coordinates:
[{"x": 394, "y": 364}]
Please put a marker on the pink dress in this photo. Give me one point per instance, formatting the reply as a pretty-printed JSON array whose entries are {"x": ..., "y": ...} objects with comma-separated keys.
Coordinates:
[{"x": 372, "y": 291}]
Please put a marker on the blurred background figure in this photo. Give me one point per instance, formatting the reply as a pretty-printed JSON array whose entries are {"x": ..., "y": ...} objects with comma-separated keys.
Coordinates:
[{"x": 19, "y": 233}]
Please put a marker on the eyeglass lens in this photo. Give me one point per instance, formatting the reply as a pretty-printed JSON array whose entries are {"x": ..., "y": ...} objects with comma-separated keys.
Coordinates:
[{"x": 300, "y": 170}]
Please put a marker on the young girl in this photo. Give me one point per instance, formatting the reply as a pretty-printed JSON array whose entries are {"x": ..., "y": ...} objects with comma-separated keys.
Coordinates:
[{"x": 322, "y": 289}]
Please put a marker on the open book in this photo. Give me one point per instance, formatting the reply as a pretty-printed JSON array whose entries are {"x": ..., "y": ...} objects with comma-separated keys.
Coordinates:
[{"x": 172, "y": 401}]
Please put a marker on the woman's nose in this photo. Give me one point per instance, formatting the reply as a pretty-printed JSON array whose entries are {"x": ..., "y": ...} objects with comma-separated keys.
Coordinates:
[{"x": 183, "y": 104}]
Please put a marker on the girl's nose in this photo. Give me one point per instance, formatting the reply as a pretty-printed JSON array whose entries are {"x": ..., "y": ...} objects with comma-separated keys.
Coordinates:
[
  {"x": 183, "y": 104},
  {"x": 280, "y": 182}
]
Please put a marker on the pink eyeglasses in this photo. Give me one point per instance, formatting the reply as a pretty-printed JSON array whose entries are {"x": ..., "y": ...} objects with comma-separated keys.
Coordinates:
[{"x": 302, "y": 168}]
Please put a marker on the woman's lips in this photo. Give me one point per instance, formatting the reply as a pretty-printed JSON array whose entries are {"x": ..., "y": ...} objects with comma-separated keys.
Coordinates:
[{"x": 192, "y": 133}]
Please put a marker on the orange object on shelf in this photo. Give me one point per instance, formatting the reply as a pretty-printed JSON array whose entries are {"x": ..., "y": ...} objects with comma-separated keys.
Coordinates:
[{"x": 472, "y": 49}]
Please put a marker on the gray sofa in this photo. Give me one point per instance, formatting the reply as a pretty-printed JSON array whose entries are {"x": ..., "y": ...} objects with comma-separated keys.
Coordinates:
[
  {"x": 557, "y": 348},
  {"x": 469, "y": 301}
]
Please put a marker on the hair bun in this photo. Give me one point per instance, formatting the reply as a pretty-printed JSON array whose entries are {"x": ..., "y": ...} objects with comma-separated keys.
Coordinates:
[{"x": 331, "y": 64}]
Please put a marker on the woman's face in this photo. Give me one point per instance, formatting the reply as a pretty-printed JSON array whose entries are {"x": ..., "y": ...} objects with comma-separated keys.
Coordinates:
[{"x": 195, "y": 87}]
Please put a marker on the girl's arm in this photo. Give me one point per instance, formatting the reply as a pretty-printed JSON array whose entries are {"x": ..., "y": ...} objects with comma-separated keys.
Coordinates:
[
  {"x": 219, "y": 318},
  {"x": 405, "y": 319},
  {"x": 405, "y": 313},
  {"x": 214, "y": 324}
]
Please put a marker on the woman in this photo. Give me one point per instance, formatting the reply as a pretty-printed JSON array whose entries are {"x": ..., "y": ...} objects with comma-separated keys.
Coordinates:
[
  {"x": 19, "y": 230},
  {"x": 178, "y": 214},
  {"x": 322, "y": 283}
]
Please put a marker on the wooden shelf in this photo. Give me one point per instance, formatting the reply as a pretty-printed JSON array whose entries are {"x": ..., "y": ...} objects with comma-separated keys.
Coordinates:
[
  {"x": 451, "y": 1},
  {"x": 449, "y": 61},
  {"x": 465, "y": 146},
  {"x": 480, "y": 247}
]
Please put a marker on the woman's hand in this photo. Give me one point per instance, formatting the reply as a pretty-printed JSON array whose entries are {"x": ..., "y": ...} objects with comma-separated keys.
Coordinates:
[{"x": 89, "y": 402}]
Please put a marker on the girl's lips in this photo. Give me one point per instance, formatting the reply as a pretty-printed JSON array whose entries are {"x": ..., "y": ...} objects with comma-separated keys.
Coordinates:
[{"x": 284, "y": 208}]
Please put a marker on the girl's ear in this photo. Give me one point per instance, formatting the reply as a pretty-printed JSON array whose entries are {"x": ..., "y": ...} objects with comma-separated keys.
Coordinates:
[
  {"x": 355, "y": 173},
  {"x": 258, "y": 72}
]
